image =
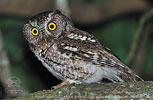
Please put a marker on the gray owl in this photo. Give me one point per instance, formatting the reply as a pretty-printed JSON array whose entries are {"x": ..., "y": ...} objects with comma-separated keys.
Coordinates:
[{"x": 73, "y": 55}]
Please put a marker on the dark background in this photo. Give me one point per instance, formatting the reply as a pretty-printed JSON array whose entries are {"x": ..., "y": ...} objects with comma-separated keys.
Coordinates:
[{"x": 114, "y": 22}]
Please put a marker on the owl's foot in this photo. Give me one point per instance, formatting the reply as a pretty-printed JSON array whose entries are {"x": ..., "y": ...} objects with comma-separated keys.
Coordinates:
[{"x": 64, "y": 83}]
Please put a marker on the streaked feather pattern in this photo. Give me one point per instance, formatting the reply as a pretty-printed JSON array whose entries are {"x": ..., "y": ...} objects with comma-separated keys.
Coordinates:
[{"x": 72, "y": 54}]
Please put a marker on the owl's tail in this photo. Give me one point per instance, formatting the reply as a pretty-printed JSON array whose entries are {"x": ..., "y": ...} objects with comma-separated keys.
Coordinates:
[
  {"x": 130, "y": 77},
  {"x": 127, "y": 75},
  {"x": 121, "y": 75}
]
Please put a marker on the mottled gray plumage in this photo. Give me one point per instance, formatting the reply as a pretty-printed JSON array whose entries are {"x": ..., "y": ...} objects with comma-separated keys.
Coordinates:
[{"x": 72, "y": 54}]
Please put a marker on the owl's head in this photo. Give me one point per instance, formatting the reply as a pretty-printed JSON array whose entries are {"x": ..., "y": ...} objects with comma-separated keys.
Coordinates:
[{"x": 45, "y": 25}]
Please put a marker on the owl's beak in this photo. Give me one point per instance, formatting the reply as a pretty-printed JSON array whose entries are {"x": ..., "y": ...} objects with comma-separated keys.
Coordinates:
[{"x": 45, "y": 38}]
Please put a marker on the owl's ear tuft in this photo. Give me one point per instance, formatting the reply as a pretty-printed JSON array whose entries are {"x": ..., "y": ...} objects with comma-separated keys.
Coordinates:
[
  {"x": 69, "y": 27},
  {"x": 56, "y": 11}
]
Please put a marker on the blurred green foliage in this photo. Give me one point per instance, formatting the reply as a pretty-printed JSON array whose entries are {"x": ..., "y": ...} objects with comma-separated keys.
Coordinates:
[{"x": 148, "y": 63}]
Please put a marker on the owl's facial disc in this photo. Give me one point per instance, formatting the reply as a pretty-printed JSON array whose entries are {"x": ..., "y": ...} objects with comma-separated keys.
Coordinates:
[
  {"x": 45, "y": 25},
  {"x": 31, "y": 34},
  {"x": 54, "y": 23}
]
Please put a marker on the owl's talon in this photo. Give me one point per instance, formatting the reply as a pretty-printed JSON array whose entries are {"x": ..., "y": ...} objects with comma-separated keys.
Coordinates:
[{"x": 65, "y": 83}]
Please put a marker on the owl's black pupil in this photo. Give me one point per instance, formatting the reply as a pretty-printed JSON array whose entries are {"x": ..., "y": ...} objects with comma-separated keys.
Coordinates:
[
  {"x": 51, "y": 26},
  {"x": 35, "y": 31}
]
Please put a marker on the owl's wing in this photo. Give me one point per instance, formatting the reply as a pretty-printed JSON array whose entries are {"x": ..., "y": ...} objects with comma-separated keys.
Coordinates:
[{"x": 86, "y": 47}]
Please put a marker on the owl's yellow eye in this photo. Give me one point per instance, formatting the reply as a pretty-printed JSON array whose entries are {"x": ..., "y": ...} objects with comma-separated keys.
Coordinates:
[
  {"x": 35, "y": 31},
  {"x": 52, "y": 26}
]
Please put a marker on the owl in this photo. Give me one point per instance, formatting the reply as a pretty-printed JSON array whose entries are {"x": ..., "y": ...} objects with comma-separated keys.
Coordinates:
[{"x": 73, "y": 55}]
